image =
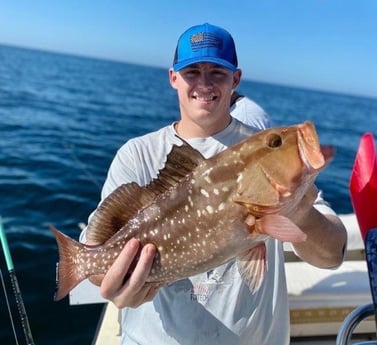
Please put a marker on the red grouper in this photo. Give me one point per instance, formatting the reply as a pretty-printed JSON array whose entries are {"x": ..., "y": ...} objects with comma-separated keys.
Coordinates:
[{"x": 200, "y": 213}]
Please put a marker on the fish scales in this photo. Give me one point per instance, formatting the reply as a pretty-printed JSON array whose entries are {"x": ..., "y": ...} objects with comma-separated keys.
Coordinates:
[
  {"x": 184, "y": 239},
  {"x": 201, "y": 213}
]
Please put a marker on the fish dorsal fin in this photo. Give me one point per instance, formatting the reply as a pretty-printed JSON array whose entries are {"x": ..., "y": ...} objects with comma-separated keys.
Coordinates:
[
  {"x": 116, "y": 210},
  {"x": 181, "y": 161},
  {"x": 128, "y": 199}
]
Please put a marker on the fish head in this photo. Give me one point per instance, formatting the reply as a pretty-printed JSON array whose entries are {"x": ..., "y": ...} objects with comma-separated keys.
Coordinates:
[{"x": 279, "y": 165}]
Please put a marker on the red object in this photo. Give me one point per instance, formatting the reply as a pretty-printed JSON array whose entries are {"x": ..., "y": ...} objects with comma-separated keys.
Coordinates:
[{"x": 363, "y": 185}]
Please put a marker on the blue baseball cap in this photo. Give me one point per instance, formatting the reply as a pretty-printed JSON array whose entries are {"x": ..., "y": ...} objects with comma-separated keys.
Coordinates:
[{"x": 205, "y": 43}]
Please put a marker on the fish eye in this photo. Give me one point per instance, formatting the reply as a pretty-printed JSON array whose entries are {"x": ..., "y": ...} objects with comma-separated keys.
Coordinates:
[{"x": 274, "y": 140}]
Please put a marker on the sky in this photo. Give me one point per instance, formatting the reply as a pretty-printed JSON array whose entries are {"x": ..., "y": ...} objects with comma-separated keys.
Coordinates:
[{"x": 328, "y": 45}]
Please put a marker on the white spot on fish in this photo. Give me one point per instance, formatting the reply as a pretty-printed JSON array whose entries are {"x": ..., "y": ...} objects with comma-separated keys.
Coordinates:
[
  {"x": 208, "y": 179},
  {"x": 239, "y": 178},
  {"x": 204, "y": 192},
  {"x": 221, "y": 206},
  {"x": 216, "y": 191},
  {"x": 190, "y": 201},
  {"x": 225, "y": 189},
  {"x": 209, "y": 209}
]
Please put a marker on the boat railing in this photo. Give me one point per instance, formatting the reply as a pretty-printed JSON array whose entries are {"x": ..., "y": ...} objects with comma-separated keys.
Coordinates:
[{"x": 351, "y": 322}]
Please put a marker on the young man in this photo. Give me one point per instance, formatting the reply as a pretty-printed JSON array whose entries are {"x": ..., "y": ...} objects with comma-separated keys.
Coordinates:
[{"x": 215, "y": 307}]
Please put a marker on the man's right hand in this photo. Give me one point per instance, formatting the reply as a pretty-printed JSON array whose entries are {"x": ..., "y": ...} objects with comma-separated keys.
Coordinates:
[{"x": 133, "y": 291}]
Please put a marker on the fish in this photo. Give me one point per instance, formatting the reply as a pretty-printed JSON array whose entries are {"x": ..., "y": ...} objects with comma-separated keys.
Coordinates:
[{"x": 201, "y": 213}]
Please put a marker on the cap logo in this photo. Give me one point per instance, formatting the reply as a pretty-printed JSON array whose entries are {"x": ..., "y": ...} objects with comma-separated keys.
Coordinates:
[{"x": 204, "y": 40}]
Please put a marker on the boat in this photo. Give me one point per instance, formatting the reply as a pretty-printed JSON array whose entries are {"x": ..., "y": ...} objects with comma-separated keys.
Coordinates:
[{"x": 319, "y": 299}]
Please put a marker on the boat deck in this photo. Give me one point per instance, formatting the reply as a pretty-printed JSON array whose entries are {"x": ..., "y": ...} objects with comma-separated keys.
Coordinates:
[
  {"x": 319, "y": 299},
  {"x": 109, "y": 332}
]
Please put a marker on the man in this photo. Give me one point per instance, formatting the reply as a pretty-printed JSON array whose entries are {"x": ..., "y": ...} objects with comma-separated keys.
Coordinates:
[{"x": 215, "y": 307}]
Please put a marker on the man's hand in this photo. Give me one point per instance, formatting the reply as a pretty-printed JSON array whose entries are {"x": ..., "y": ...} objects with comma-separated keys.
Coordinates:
[{"x": 133, "y": 291}]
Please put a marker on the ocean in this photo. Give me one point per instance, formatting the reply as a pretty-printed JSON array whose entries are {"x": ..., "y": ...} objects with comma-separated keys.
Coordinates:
[{"x": 63, "y": 117}]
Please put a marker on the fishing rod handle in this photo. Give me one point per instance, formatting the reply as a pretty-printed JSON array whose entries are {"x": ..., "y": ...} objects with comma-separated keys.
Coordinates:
[{"x": 21, "y": 308}]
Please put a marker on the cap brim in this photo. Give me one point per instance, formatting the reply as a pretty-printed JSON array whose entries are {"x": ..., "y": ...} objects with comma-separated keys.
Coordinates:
[{"x": 183, "y": 64}]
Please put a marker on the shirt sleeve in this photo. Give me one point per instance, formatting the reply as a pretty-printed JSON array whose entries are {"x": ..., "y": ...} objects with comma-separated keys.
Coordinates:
[
  {"x": 122, "y": 170},
  {"x": 322, "y": 205},
  {"x": 250, "y": 113}
]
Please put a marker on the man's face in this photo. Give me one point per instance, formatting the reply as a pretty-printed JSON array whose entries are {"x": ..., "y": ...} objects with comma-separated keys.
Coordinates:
[{"x": 204, "y": 90}]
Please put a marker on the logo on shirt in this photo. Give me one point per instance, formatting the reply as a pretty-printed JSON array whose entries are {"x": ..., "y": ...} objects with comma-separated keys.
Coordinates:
[{"x": 200, "y": 293}]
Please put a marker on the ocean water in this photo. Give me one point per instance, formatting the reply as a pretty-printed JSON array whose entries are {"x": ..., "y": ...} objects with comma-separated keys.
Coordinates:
[{"x": 62, "y": 119}]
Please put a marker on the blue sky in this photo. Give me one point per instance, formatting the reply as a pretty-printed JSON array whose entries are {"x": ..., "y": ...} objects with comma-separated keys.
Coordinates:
[{"x": 319, "y": 44}]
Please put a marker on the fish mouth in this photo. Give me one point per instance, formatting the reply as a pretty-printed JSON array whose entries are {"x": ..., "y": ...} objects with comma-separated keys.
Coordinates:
[{"x": 313, "y": 156}]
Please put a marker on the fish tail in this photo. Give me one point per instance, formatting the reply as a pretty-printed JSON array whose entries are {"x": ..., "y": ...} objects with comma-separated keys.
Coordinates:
[{"x": 68, "y": 275}]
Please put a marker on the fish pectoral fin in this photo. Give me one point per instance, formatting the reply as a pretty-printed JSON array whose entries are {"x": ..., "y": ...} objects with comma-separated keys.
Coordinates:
[
  {"x": 280, "y": 227},
  {"x": 252, "y": 266}
]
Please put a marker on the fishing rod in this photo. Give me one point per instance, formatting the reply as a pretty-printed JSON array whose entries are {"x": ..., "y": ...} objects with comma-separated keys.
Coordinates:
[{"x": 16, "y": 288}]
